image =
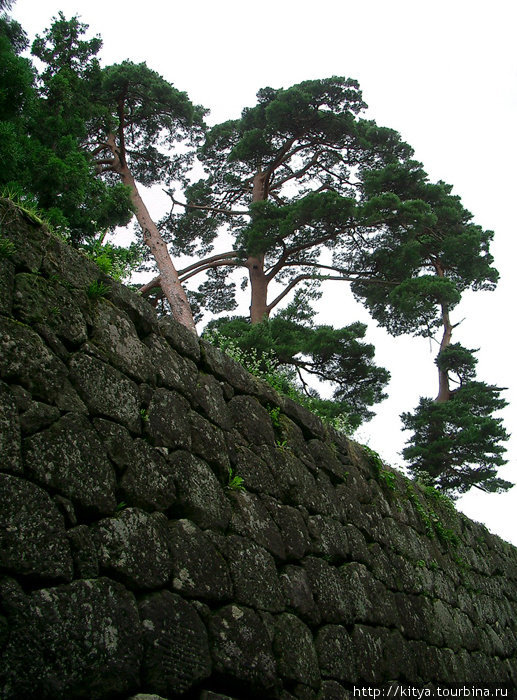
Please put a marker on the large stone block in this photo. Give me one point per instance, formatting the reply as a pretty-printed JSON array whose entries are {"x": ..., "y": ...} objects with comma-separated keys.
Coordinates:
[
  {"x": 252, "y": 420},
  {"x": 26, "y": 360},
  {"x": 173, "y": 370},
  {"x": 176, "y": 652},
  {"x": 33, "y": 541},
  {"x": 148, "y": 481},
  {"x": 69, "y": 458},
  {"x": 48, "y": 303},
  {"x": 198, "y": 568},
  {"x": 241, "y": 649},
  {"x": 250, "y": 518},
  {"x": 295, "y": 652},
  {"x": 254, "y": 575},
  {"x": 80, "y": 640},
  {"x": 116, "y": 336},
  {"x": 200, "y": 497},
  {"x": 133, "y": 547},
  {"x": 166, "y": 421},
  {"x": 106, "y": 391}
]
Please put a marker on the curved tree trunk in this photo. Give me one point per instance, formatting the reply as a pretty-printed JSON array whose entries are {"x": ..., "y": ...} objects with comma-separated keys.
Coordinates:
[{"x": 169, "y": 279}]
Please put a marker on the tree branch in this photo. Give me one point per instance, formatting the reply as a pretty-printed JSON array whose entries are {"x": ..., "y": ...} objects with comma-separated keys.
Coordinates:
[
  {"x": 209, "y": 266},
  {"x": 221, "y": 256},
  {"x": 216, "y": 210}
]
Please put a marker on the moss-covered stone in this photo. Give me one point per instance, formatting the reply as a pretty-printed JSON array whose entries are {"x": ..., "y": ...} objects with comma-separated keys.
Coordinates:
[
  {"x": 200, "y": 497},
  {"x": 198, "y": 568},
  {"x": 117, "y": 338},
  {"x": 336, "y": 654},
  {"x": 148, "y": 481},
  {"x": 252, "y": 420},
  {"x": 106, "y": 391},
  {"x": 166, "y": 420},
  {"x": 254, "y": 575},
  {"x": 26, "y": 360},
  {"x": 48, "y": 303},
  {"x": 7, "y": 272},
  {"x": 176, "y": 653},
  {"x": 80, "y": 640},
  {"x": 10, "y": 437},
  {"x": 69, "y": 458},
  {"x": 250, "y": 518},
  {"x": 295, "y": 652},
  {"x": 173, "y": 371},
  {"x": 241, "y": 649},
  {"x": 32, "y": 532},
  {"x": 133, "y": 548}
]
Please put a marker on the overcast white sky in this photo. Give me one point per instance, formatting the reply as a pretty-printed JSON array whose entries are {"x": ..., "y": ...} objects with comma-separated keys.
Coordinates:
[{"x": 442, "y": 73}]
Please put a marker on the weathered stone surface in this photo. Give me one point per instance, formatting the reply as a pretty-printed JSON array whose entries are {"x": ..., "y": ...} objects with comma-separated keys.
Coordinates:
[
  {"x": 200, "y": 496},
  {"x": 325, "y": 457},
  {"x": 250, "y": 518},
  {"x": 84, "y": 552},
  {"x": 369, "y": 600},
  {"x": 141, "y": 313},
  {"x": 69, "y": 266},
  {"x": 296, "y": 483},
  {"x": 336, "y": 654},
  {"x": 329, "y": 538},
  {"x": 241, "y": 648},
  {"x": 7, "y": 271},
  {"x": 166, "y": 421},
  {"x": 173, "y": 370},
  {"x": 69, "y": 458},
  {"x": 106, "y": 391},
  {"x": 117, "y": 338},
  {"x": 180, "y": 338},
  {"x": 298, "y": 593},
  {"x": 48, "y": 303},
  {"x": 32, "y": 534},
  {"x": 332, "y": 690},
  {"x": 198, "y": 568},
  {"x": 80, "y": 640},
  {"x": 69, "y": 401},
  {"x": 10, "y": 437},
  {"x": 29, "y": 242},
  {"x": 294, "y": 651},
  {"x": 292, "y": 526},
  {"x": 251, "y": 420},
  {"x": 148, "y": 481},
  {"x": 133, "y": 547},
  {"x": 254, "y": 576},
  {"x": 38, "y": 416},
  {"x": 208, "y": 442},
  {"x": 225, "y": 368},
  {"x": 117, "y": 442},
  {"x": 254, "y": 471},
  {"x": 369, "y": 644},
  {"x": 329, "y": 590},
  {"x": 309, "y": 422},
  {"x": 209, "y": 400},
  {"x": 25, "y": 360},
  {"x": 176, "y": 653}
]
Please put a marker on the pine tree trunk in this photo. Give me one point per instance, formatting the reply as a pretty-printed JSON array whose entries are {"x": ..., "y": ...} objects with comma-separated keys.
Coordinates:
[
  {"x": 444, "y": 391},
  {"x": 169, "y": 279},
  {"x": 255, "y": 264}
]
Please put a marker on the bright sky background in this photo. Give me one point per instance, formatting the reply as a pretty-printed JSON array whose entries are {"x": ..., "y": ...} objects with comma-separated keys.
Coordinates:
[{"x": 442, "y": 73}]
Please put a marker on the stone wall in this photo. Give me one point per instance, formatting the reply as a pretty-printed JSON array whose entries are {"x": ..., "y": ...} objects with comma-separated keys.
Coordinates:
[{"x": 130, "y": 565}]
